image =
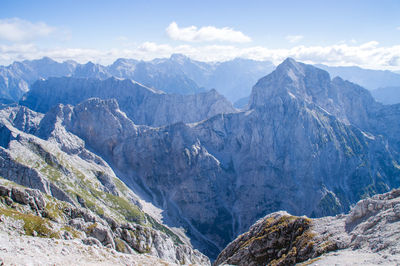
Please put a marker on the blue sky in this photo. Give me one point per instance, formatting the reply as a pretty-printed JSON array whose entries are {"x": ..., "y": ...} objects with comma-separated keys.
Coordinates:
[{"x": 364, "y": 33}]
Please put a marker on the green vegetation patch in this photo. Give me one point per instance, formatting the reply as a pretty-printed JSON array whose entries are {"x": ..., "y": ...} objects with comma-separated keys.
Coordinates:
[
  {"x": 156, "y": 225},
  {"x": 128, "y": 210},
  {"x": 33, "y": 225}
]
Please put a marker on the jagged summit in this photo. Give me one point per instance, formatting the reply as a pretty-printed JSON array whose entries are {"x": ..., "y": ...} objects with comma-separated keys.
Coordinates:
[
  {"x": 289, "y": 62},
  {"x": 291, "y": 79},
  {"x": 306, "y": 84}
]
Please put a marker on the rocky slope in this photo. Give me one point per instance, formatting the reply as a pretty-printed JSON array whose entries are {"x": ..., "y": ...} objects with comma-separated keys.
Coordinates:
[
  {"x": 27, "y": 212},
  {"x": 78, "y": 195},
  {"x": 142, "y": 105},
  {"x": 368, "y": 234},
  {"x": 27, "y": 250}
]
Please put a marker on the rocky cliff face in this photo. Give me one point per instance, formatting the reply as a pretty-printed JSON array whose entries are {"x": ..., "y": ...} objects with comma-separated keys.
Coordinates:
[
  {"x": 142, "y": 105},
  {"x": 366, "y": 235}
]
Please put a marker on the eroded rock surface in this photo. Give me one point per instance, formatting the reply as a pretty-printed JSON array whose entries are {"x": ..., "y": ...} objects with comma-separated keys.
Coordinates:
[
  {"x": 28, "y": 212},
  {"x": 369, "y": 233}
]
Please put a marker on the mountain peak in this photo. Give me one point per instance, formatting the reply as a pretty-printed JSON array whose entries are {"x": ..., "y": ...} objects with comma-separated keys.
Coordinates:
[
  {"x": 179, "y": 57},
  {"x": 292, "y": 79},
  {"x": 291, "y": 64},
  {"x": 289, "y": 60}
]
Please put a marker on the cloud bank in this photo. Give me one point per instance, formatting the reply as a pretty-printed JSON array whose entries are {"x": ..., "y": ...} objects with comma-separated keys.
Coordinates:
[
  {"x": 205, "y": 34},
  {"x": 19, "y": 30},
  {"x": 367, "y": 55},
  {"x": 19, "y": 41}
]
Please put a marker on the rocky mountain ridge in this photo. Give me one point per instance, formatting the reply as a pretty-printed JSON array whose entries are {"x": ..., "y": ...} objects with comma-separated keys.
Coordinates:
[{"x": 144, "y": 106}]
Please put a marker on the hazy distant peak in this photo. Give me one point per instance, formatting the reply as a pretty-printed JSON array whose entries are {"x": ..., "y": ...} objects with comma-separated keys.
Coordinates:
[
  {"x": 44, "y": 60},
  {"x": 179, "y": 57},
  {"x": 124, "y": 61}
]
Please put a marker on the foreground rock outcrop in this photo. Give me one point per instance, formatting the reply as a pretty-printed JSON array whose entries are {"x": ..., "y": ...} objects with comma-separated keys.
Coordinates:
[
  {"x": 28, "y": 212},
  {"x": 27, "y": 250},
  {"x": 369, "y": 233}
]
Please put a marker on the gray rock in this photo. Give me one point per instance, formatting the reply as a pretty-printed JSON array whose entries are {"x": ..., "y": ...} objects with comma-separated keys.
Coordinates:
[
  {"x": 372, "y": 226},
  {"x": 128, "y": 238},
  {"x": 91, "y": 241},
  {"x": 102, "y": 233}
]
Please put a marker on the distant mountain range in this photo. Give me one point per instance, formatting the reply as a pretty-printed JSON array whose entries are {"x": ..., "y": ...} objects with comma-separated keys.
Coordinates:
[
  {"x": 180, "y": 75},
  {"x": 177, "y": 74},
  {"x": 367, "y": 78}
]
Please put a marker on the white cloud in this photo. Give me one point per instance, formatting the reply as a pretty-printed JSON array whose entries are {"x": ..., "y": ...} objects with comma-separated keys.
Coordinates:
[
  {"x": 294, "y": 38},
  {"x": 398, "y": 28},
  {"x": 367, "y": 55},
  {"x": 19, "y": 30},
  {"x": 205, "y": 34}
]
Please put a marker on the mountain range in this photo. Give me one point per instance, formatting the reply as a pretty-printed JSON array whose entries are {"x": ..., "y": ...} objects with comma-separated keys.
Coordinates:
[
  {"x": 182, "y": 75},
  {"x": 196, "y": 172},
  {"x": 177, "y": 74}
]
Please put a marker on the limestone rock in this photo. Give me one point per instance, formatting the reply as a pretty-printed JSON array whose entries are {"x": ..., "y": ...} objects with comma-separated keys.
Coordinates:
[
  {"x": 371, "y": 227},
  {"x": 56, "y": 219}
]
